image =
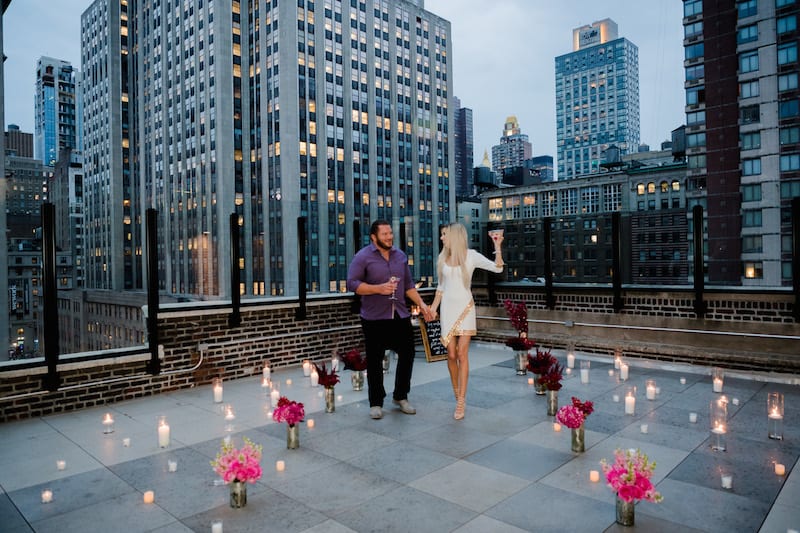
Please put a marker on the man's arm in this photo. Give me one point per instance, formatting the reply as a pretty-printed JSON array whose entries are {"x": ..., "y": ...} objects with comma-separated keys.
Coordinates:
[{"x": 413, "y": 295}]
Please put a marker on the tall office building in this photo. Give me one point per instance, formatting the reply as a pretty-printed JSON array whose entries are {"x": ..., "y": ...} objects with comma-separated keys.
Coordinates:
[
  {"x": 18, "y": 142},
  {"x": 464, "y": 149},
  {"x": 743, "y": 135},
  {"x": 56, "y": 124},
  {"x": 514, "y": 147},
  {"x": 597, "y": 98},
  {"x": 330, "y": 114}
]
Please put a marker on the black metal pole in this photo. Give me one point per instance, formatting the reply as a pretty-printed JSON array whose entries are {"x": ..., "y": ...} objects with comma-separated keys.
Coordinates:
[
  {"x": 403, "y": 236},
  {"x": 235, "y": 318},
  {"x": 699, "y": 271},
  {"x": 50, "y": 297},
  {"x": 151, "y": 245},
  {"x": 616, "y": 260},
  {"x": 796, "y": 256},
  {"x": 550, "y": 298},
  {"x": 355, "y": 306},
  {"x": 301, "y": 268}
]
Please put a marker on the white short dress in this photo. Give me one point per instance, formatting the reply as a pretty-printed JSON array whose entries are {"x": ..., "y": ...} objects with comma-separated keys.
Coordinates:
[{"x": 457, "y": 310}]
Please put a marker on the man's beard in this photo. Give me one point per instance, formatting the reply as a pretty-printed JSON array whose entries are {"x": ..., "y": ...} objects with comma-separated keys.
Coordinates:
[{"x": 382, "y": 246}]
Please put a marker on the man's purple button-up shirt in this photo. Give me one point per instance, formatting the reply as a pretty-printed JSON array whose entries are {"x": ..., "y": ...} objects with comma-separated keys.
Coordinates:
[{"x": 370, "y": 267}]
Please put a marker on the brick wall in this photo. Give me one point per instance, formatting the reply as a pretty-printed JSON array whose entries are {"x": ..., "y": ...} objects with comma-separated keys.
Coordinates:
[{"x": 653, "y": 325}]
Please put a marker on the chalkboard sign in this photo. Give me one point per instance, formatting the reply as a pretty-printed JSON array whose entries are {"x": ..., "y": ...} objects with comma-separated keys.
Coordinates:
[{"x": 432, "y": 340}]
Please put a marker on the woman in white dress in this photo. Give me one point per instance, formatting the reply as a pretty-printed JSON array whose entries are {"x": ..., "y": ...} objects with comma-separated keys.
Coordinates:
[{"x": 455, "y": 266}]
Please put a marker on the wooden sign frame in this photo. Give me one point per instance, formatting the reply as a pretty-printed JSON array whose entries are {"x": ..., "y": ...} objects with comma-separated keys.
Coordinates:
[{"x": 431, "y": 333}]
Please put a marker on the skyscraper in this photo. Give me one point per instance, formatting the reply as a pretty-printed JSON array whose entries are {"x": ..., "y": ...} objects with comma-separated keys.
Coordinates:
[
  {"x": 56, "y": 107},
  {"x": 597, "y": 98},
  {"x": 514, "y": 147},
  {"x": 464, "y": 149},
  {"x": 325, "y": 113},
  {"x": 743, "y": 135}
]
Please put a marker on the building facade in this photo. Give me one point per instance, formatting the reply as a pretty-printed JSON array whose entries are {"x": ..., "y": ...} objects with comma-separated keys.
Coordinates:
[
  {"x": 650, "y": 198},
  {"x": 18, "y": 142},
  {"x": 514, "y": 147},
  {"x": 56, "y": 109},
  {"x": 597, "y": 99},
  {"x": 743, "y": 135},
  {"x": 464, "y": 149},
  {"x": 320, "y": 115}
]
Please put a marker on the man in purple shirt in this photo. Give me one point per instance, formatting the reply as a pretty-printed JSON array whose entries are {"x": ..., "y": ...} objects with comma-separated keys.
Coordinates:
[{"x": 379, "y": 274}]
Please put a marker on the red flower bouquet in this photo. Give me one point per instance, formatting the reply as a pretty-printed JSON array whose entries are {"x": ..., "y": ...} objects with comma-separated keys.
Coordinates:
[
  {"x": 519, "y": 344},
  {"x": 354, "y": 360},
  {"x": 326, "y": 379},
  {"x": 551, "y": 378},
  {"x": 541, "y": 362},
  {"x": 573, "y": 416},
  {"x": 518, "y": 314}
]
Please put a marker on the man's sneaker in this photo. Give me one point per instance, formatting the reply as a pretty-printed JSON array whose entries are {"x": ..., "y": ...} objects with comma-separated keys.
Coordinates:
[
  {"x": 405, "y": 407},
  {"x": 376, "y": 412}
]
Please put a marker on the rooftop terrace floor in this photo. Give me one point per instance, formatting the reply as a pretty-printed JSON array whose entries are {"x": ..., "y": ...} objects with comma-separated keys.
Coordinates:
[{"x": 501, "y": 469}]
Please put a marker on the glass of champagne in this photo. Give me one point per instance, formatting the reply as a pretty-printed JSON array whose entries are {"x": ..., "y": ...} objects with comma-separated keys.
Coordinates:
[{"x": 395, "y": 280}]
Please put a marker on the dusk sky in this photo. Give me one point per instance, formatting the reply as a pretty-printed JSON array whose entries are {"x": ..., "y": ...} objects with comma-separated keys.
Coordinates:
[{"x": 503, "y": 59}]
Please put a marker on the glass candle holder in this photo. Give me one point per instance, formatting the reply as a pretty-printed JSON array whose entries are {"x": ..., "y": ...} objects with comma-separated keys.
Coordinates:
[
  {"x": 623, "y": 371},
  {"x": 650, "y": 389},
  {"x": 585, "y": 366},
  {"x": 570, "y": 355},
  {"x": 718, "y": 412},
  {"x": 775, "y": 415},
  {"x": 216, "y": 387},
  {"x": 717, "y": 377},
  {"x": 163, "y": 432},
  {"x": 630, "y": 401},
  {"x": 267, "y": 370},
  {"x": 108, "y": 423}
]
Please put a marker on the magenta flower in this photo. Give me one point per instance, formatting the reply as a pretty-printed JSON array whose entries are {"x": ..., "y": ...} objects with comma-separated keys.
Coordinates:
[
  {"x": 629, "y": 476},
  {"x": 242, "y": 465}
]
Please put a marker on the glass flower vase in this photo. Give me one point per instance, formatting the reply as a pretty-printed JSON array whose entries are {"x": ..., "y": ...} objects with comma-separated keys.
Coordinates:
[
  {"x": 625, "y": 512},
  {"x": 521, "y": 362},
  {"x": 238, "y": 494},
  {"x": 578, "y": 440},
  {"x": 357, "y": 379},
  {"x": 539, "y": 386},
  {"x": 330, "y": 400},
  {"x": 292, "y": 437},
  {"x": 552, "y": 402}
]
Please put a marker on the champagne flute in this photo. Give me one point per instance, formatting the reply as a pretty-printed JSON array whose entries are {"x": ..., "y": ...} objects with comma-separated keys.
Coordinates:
[{"x": 395, "y": 280}]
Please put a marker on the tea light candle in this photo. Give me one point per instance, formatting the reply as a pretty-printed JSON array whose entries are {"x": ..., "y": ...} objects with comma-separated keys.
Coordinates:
[
  {"x": 610, "y": 371},
  {"x": 280, "y": 466},
  {"x": 570, "y": 360},
  {"x": 172, "y": 466},
  {"x": 218, "y": 392},
  {"x": 310, "y": 423},
  {"x": 594, "y": 476},
  {"x": 735, "y": 401},
  {"x": 163, "y": 433},
  {"x": 306, "y": 367},
  {"x": 556, "y": 427},
  {"x": 693, "y": 418},
  {"x": 108, "y": 423},
  {"x": 780, "y": 469},
  {"x": 630, "y": 404},
  {"x": 47, "y": 496},
  {"x": 530, "y": 381},
  {"x": 61, "y": 464},
  {"x": 216, "y": 527},
  {"x": 719, "y": 429},
  {"x": 289, "y": 381},
  {"x": 623, "y": 371},
  {"x": 774, "y": 415},
  {"x": 615, "y": 398},
  {"x": 267, "y": 371},
  {"x": 727, "y": 481},
  {"x": 126, "y": 442},
  {"x": 149, "y": 496},
  {"x": 339, "y": 397},
  {"x": 314, "y": 378},
  {"x": 643, "y": 428},
  {"x": 229, "y": 413},
  {"x": 264, "y": 383},
  {"x": 568, "y": 371},
  {"x": 683, "y": 381}
]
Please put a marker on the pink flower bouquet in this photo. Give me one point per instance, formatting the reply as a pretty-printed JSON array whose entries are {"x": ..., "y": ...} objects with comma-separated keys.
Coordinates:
[
  {"x": 574, "y": 415},
  {"x": 242, "y": 465},
  {"x": 288, "y": 411},
  {"x": 629, "y": 476}
]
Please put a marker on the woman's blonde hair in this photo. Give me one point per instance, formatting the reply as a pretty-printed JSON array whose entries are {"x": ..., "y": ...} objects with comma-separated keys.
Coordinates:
[{"x": 455, "y": 251}]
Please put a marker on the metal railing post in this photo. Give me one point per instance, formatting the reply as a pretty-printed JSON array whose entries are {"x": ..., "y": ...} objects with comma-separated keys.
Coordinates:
[
  {"x": 699, "y": 271},
  {"x": 235, "y": 318},
  {"x": 50, "y": 297},
  {"x": 550, "y": 298},
  {"x": 616, "y": 260},
  {"x": 151, "y": 245},
  {"x": 301, "y": 268}
]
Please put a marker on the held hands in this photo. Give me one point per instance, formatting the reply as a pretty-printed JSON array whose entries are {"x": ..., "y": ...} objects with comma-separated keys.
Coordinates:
[{"x": 428, "y": 314}]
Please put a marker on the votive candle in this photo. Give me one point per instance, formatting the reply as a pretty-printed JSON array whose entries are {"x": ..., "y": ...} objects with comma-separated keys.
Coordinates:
[
  {"x": 643, "y": 428},
  {"x": 310, "y": 423},
  {"x": 630, "y": 404},
  {"x": 267, "y": 371},
  {"x": 727, "y": 481},
  {"x": 314, "y": 378},
  {"x": 217, "y": 389},
  {"x": 172, "y": 466},
  {"x": 615, "y": 398},
  {"x": 163, "y": 432},
  {"x": 693, "y": 418},
  {"x": 61, "y": 464},
  {"x": 556, "y": 427},
  {"x": 650, "y": 389},
  {"x": 148, "y": 496},
  {"x": 306, "y": 367},
  {"x": 289, "y": 381},
  {"x": 780, "y": 469},
  {"x": 570, "y": 360},
  {"x": 683, "y": 381},
  {"x": 216, "y": 527},
  {"x": 47, "y": 496},
  {"x": 108, "y": 423},
  {"x": 594, "y": 476},
  {"x": 530, "y": 381},
  {"x": 126, "y": 442},
  {"x": 280, "y": 466},
  {"x": 623, "y": 371}
]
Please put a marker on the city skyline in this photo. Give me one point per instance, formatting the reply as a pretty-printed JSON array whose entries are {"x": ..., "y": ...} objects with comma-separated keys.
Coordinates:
[{"x": 28, "y": 35}]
